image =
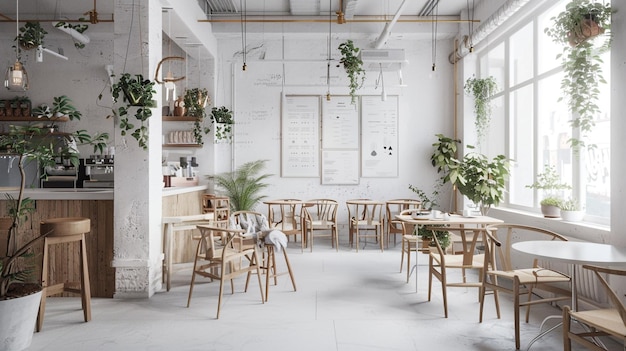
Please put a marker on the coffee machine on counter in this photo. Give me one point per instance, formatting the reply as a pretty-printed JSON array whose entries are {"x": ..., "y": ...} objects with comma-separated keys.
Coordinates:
[
  {"x": 61, "y": 175},
  {"x": 99, "y": 171}
]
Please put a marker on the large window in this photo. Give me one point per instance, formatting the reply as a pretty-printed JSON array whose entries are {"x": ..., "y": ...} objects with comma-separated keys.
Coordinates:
[{"x": 533, "y": 118}]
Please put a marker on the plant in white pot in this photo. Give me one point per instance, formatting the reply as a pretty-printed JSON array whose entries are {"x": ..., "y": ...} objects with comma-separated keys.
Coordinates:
[
  {"x": 18, "y": 286},
  {"x": 572, "y": 211},
  {"x": 549, "y": 181}
]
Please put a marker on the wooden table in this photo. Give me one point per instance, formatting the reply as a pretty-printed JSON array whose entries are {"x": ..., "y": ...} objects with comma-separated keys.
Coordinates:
[{"x": 454, "y": 221}]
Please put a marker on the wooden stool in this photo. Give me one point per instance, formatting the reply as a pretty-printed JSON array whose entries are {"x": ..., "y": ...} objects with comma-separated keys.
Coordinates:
[{"x": 65, "y": 230}]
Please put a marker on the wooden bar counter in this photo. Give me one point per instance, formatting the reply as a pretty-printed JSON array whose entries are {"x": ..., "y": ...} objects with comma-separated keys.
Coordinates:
[{"x": 95, "y": 204}]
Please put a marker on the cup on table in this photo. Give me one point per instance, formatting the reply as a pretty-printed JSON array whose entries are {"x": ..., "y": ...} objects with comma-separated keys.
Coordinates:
[{"x": 467, "y": 213}]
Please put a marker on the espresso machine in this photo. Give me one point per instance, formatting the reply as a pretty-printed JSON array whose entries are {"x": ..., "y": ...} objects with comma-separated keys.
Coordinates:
[{"x": 99, "y": 171}]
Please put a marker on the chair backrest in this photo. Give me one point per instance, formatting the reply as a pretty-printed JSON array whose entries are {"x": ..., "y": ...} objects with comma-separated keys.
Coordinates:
[
  {"x": 396, "y": 206},
  {"x": 617, "y": 302},
  {"x": 365, "y": 211},
  {"x": 285, "y": 214},
  {"x": 250, "y": 221},
  {"x": 322, "y": 210},
  {"x": 500, "y": 238}
]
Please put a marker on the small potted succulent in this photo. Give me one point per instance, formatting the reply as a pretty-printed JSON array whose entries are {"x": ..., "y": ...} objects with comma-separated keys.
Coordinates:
[{"x": 550, "y": 182}]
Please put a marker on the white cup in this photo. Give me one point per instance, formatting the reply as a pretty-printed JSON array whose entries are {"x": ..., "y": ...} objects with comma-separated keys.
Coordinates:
[
  {"x": 446, "y": 217},
  {"x": 436, "y": 214},
  {"x": 467, "y": 213}
]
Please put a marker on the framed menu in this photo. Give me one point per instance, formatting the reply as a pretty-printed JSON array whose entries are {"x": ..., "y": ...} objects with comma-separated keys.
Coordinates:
[
  {"x": 340, "y": 123},
  {"x": 340, "y": 167},
  {"x": 379, "y": 140},
  {"x": 300, "y": 136}
]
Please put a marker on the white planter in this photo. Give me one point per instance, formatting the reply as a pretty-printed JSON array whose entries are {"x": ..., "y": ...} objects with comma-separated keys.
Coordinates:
[
  {"x": 572, "y": 216},
  {"x": 550, "y": 211},
  {"x": 17, "y": 322}
]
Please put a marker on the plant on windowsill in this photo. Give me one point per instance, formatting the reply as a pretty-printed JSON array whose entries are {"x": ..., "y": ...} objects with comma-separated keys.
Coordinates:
[
  {"x": 31, "y": 35},
  {"x": 482, "y": 90},
  {"x": 136, "y": 91},
  {"x": 223, "y": 118},
  {"x": 574, "y": 28},
  {"x": 571, "y": 211},
  {"x": 26, "y": 144},
  {"x": 353, "y": 67},
  {"x": 195, "y": 101},
  {"x": 480, "y": 179},
  {"x": 550, "y": 182}
]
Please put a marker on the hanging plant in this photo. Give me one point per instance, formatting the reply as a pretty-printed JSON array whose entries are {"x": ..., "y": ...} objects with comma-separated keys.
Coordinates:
[
  {"x": 80, "y": 28},
  {"x": 136, "y": 91},
  {"x": 195, "y": 101},
  {"x": 482, "y": 90},
  {"x": 31, "y": 35},
  {"x": 223, "y": 118},
  {"x": 574, "y": 28},
  {"x": 353, "y": 66}
]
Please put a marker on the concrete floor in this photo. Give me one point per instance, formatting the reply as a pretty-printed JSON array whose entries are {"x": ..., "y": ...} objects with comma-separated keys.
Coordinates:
[{"x": 345, "y": 301}]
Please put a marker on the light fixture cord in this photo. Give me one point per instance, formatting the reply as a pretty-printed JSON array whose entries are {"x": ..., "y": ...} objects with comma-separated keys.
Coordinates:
[
  {"x": 470, "y": 25},
  {"x": 330, "y": 29},
  {"x": 17, "y": 29},
  {"x": 434, "y": 25},
  {"x": 242, "y": 5}
]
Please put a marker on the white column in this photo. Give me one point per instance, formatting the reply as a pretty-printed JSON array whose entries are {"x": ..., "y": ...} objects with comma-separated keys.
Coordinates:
[
  {"x": 138, "y": 181},
  {"x": 618, "y": 125}
]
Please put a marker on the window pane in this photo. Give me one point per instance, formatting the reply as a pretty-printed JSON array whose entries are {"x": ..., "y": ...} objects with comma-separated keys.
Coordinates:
[
  {"x": 548, "y": 50},
  {"x": 521, "y": 46},
  {"x": 522, "y": 150},
  {"x": 493, "y": 65}
]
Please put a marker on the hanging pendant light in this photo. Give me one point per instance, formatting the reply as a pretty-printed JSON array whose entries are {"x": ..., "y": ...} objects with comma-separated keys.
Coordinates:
[
  {"x": 16, "y": 78},
  {"x": 243, "y": 6}
]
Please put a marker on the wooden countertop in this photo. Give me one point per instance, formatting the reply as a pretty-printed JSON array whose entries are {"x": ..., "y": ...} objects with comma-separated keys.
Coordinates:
[{"x": 176, "y": 190}]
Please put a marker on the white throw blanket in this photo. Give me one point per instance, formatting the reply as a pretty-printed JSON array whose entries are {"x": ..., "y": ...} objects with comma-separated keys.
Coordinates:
[{"x": 276, "y": 238}]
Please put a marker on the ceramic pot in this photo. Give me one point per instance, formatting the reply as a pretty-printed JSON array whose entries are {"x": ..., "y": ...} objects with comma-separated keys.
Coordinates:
[
  {"x": 17, "y": 318},
  {"x": 550, "y": 211},
  {"x": 572, "y": 216}
]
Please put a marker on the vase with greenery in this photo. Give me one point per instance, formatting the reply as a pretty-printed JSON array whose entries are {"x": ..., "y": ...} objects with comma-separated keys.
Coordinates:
[
  {"x": 244, "y": 185},
  {"x": 223, "y": 118},
  {"x": 549, "y": 182},
  {"x": 31, "y": 35},
  {"x": 574, "y": 29},
  {"x": 136, "y": 91},
  {"x": 195, "y": 101},
  {"x": 352, "y": 64},
  {"x": 27, "y": 144},
  {"x": 482, "y": 90},
  {"x": 80, "y": 28},
  {"x": 480, "y": 179}
]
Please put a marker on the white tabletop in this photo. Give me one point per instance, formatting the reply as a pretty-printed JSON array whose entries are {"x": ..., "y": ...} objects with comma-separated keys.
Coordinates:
[
  {"x": 452, "y": 219},
  {"x": 575, "y": 252}
]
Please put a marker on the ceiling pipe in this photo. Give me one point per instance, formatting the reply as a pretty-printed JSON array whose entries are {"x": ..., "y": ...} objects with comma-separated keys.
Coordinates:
[
  {"x": 359, "y": 19},
  {"x": 384, "y": 35}
]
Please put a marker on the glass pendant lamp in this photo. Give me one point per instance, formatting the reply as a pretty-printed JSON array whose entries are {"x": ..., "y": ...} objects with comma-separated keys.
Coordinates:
[{"x": 16, "y": 78}]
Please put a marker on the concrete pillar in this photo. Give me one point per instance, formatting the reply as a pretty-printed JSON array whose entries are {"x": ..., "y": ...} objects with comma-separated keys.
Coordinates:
[
  {"x": 138, "y": 181},
  {"x": 618, "y": 125}
]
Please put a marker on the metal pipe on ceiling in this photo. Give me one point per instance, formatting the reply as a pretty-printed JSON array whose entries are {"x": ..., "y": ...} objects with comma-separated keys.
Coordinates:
[{"x": 260, "y": 19}]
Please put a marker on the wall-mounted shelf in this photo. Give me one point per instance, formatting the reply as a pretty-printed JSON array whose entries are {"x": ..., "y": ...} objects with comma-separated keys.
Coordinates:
[
  {"x": 34, "y": 119},
  {"x": 179, "y": 119},
  {"x": 182, "y": 145}
]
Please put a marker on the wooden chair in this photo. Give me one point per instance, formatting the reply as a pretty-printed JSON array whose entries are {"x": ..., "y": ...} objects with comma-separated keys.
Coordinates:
[
  {"x": 225, "y": 262},
  {"x": 521, "y": 281},
  {"x": 599, "y": 322},
  {"x": 392, "y": 208},
  {"x": 321, "y": 215},
  {"x": 439, "y": 263},
  {"x": 268, "y": 258},
  {"x": 409, "y": 242},
  {"x": 286, "y": 216},
  {"x": 365, "y": 215}
]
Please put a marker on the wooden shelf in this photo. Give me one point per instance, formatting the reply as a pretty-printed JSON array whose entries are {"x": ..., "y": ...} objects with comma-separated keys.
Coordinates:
[
  {"x": 182, "y": 145},
  {"x": 34, "y": 119},
  {"x": 179, "y": 119}
]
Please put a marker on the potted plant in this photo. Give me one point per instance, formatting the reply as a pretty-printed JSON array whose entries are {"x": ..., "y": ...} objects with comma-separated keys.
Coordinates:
[
  {"x": 429, "y": 202},
  {"x": 571, "y": 210},
  {"x": 195, "y": 101},
  {"x": 79, "y": 28},
  {"x": 353, "y": 66},
  {"x": 550, "y": 182},
  {"x": 223, "y": 118},
  {"x": 243, "y": 185},
  {"x": 31, "y": 35},
  {"x": 482, "y": 90},
  {"x": 573, "y": 28},
  {"x": 136, "y": 91},
  {"x": 480, "y": 179},
  {"x": 17, "y": 286},
  {"x": 62, "y": 106}
]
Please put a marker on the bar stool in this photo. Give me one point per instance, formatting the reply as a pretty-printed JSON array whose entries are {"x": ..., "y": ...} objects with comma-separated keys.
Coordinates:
[{"x": 65, "y": 230}]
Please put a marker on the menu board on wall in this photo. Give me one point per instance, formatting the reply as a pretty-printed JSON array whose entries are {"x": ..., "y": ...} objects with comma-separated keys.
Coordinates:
[
  {"x": 300, "y": 136},
  {"x": 340, "y": 167},
  {"x": 340, "y": 123},
  {"x": 379, "y": 144}
]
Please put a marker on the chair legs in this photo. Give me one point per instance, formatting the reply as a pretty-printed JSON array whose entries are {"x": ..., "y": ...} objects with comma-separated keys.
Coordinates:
[{"x": 271, "y": 269}]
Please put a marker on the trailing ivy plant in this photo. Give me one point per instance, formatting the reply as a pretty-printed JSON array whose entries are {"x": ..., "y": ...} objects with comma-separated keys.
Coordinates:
[
  {"x": 482, "y": 90},
  {"x": 353, "y": 66},
  {"x": 31, "y": 35},
  {"x": 574, "y": 28},
  {"x": 195, "y": 100},
  {"x": 136, "y": 91},
  {"x": 80, "y": 28},
  {"x": 223, "y": 118}
]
